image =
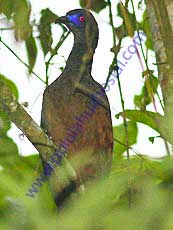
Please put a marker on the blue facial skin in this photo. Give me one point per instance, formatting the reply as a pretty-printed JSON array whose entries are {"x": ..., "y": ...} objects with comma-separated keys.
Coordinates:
[{"x": 74, "y": 19}]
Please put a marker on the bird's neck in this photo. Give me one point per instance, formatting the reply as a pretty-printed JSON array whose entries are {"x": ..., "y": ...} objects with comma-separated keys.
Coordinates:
[{"x": 80, "y": 58}]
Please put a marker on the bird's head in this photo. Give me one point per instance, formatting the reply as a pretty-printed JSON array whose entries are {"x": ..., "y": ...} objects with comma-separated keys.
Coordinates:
[{"x": 83, "y": 25}]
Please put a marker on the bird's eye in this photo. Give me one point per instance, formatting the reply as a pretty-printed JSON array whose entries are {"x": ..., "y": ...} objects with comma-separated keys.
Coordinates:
[{"x": 81, "y": 18}]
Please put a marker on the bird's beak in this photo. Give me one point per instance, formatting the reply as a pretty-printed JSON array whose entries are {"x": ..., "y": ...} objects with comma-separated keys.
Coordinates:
[{"x": 62, "y": 19}]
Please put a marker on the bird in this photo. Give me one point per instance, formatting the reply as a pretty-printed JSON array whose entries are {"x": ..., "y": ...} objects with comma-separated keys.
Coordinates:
[{"x": 75, "y": 109}]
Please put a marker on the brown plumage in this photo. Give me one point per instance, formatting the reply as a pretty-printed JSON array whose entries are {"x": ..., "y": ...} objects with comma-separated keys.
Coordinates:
[{"x": 75, "y": 109}]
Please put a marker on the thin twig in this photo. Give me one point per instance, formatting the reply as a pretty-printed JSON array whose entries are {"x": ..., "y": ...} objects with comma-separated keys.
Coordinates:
[
  {"x": 111, "y": 21},
  {"x": 167, "y": 148},
  {"x": 20, "y": 60},
  {"x": 129, "y": 147},
  {"x": 122, "y": 99},
  {"x": 7, "y": 28},
  {"x": 112, "y": 66},
  {"x": 54, "y": 52},
  {"x": 119, "y": 83}
]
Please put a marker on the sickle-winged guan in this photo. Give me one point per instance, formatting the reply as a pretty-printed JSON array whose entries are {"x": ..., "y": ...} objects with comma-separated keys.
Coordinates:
[{"x": 75, "y": 110}]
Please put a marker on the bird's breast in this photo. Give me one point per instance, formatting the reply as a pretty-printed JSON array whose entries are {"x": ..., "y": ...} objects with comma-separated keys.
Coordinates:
[{"x": 79, "y": 124}]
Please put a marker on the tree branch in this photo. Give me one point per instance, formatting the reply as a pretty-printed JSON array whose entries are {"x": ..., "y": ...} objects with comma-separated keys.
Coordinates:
[{"x": 38, "y": 138}]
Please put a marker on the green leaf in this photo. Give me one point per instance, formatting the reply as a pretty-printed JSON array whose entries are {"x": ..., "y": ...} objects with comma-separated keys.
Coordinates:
[
  {"x": 119, "y": 135},
  {"x": 121, "y": 32},
  {"x": 95, "y": 5},
  {"x": 30, "y": 161},
  {"x": 129, "y": 20},
  {"x": 145, "y": 26},
  {"x": 47, "y": 17},
  {"x": 19, "y": 11},
  {"x": 31, "y": 48},
  {"x": 6, "y": 8},
  {"x": 5, "y": 123},
  {"x": 8, "y": 151},
  {"x": 148, "y": 118},
  {"x": 10, "y": 84},
  {"x": 151, "y": 139},
  {"x": 147, "y": 93},
  {"x": 21, "y": 18}
]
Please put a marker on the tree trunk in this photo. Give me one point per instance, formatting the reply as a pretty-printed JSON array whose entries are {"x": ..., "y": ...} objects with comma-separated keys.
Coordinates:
[{"x": 160, "y": 14}]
